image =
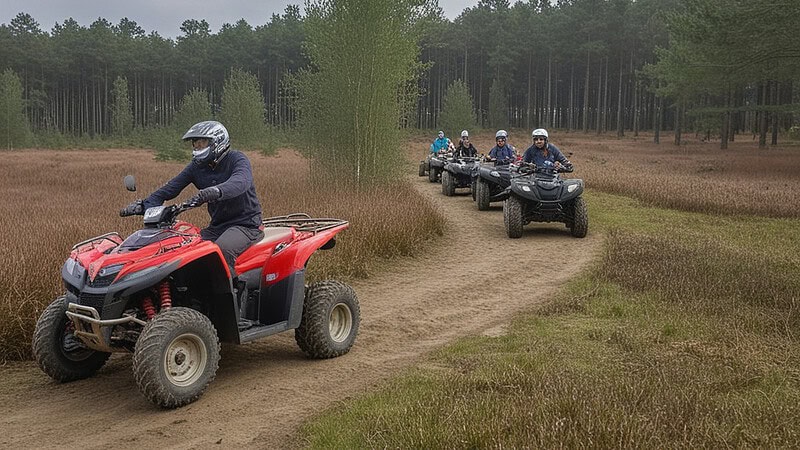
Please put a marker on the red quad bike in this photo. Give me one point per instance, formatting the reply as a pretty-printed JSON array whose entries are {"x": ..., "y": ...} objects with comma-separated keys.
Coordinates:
[{"x": 168, "y": 297}]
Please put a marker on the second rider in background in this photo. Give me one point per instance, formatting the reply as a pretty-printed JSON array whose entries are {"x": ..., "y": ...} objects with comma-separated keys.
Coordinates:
[
  {"x": 502, "y": 153},
  {"x": 465, "y": 148}
]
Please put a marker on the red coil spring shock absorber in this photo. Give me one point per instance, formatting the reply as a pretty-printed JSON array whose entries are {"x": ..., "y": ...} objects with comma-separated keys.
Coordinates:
[
  {"x": 166, "y": 298},
  {"x": 149, "y": 309}
]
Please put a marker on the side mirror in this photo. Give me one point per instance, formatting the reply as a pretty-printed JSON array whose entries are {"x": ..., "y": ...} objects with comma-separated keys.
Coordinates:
[{"x": 130, "y": 183}]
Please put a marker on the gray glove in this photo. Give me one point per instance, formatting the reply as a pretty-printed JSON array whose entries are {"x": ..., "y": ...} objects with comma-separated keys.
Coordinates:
[
  {"x": 209, "y": 194},
  {"x": 135, "y": 208}
]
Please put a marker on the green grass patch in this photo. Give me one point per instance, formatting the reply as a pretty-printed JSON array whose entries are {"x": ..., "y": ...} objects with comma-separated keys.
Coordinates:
[{"x": 685, "y": 334}]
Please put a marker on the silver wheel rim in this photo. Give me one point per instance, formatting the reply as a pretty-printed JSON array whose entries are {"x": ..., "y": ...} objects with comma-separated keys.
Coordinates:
[
  {"x": 185, "y": 359},
  {"x": 340, "y": 322}
]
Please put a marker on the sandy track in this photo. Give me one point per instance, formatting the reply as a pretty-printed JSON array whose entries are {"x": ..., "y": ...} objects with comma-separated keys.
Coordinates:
[{"x": 468, "y": 283}]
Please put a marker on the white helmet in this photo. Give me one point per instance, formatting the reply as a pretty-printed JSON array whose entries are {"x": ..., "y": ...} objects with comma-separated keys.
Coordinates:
[
  {"x": 500, "y": 134},
  {"x": 464, "y": 133},
  {"x": 541, "y": 132}
]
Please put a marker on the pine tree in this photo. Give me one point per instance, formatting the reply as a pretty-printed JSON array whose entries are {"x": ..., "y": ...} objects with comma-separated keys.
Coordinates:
[
  {"x": 14, "y": 127},
  {"x": 498, "y": 107},
  {"x": 458, "y": 111},
  {"x": 352, "y": 100},
  {"x": 243, "y": 109},
  {"x": 121, "y": 115},
  {"x": 194, "y": 108}
]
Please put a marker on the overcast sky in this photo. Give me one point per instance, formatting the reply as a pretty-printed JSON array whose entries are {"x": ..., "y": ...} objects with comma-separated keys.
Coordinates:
[{"x": 166, "y": 16}]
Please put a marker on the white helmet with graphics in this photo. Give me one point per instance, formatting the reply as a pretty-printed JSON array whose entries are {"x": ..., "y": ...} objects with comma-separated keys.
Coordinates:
[{"x": 218, "y": 141}]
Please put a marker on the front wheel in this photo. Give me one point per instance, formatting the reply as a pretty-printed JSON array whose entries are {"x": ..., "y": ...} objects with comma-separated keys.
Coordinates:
[
  {"x": 331, "y": 316},
  {"x": 58, "y": 352},
  {"x": 176, "y": 357},
  {"x": 512, "y": 217},
  {"x": 580, "y": 224},
  {"x": 433, "y": 174},
  {"x": 448, "y": 184},
  {"x": 482, "y": 195}
]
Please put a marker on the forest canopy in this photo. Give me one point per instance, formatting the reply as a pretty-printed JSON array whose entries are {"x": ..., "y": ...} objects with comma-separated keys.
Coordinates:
[{"x": 594, "y": 65}]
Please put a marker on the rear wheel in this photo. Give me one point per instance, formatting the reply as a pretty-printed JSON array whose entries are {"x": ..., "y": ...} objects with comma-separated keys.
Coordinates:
[
  {"x": 422, "y": 168},
  {"x": 482, "y": 195},
  {"x": 331, "y": 316},
  {"x": 448, "y": 184},
  {"x": 58, "y": 352},
  {"x": 433, "y": 174},
  {"x": 512, "y": 217},
  {"x": 580, "y": 226},
  {"x": 176, "y": 357}
]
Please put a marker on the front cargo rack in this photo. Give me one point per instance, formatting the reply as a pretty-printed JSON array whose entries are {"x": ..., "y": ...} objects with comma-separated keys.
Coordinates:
[{"x": 303, "y": 222}]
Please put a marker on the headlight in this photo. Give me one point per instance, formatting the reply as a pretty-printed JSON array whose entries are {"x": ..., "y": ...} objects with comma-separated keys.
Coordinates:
[
  {"x": 572, "y": 187},
  {"x": 526, "y": 188},
  {"x": 110, "y": 270},
  {"x": 137, "y": 274},
  {"x": 494, "y": 173}
]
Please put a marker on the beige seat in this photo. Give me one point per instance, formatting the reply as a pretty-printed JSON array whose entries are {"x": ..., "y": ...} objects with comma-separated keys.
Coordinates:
[{"x": 275, "y": 235}]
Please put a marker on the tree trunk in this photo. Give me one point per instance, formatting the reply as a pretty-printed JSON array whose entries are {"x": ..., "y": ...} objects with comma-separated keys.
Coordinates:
[
  {"x": 636, "y": 108},
  {"x": 605, "y": 101},
  {"x": 657, "y": 121},
  {"x": 586, "y": 97},
  {"x": 548, "y": 112},
  {"x": 528, "y": 106},
  {"x": 599, "y": 121},
  {"x": 775, "y": 101},
  {"x": 678, "y": 123},
  {"x": 762, "y": 122},
  {"x": 571, "y": 116},
  {"x": 620, "y": 127}
]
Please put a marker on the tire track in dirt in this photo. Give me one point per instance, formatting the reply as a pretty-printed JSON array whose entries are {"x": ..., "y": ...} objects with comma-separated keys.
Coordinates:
[{"x": 470, "y": 282}]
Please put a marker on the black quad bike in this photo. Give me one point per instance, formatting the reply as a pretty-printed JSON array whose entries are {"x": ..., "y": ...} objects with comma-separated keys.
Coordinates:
[
  {"x": 436, "y": 165},
  {"x": 458, "y": 173},
  {"x": 538, "y": 194},
  {"x": 168, "y": 297},
  {"x": 491, "y": 184}
]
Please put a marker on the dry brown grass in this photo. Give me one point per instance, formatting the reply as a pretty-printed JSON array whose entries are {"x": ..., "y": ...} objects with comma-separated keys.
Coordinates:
[
  {"x": 696, "y": 176},
  {"x": 52, "y": 200}
]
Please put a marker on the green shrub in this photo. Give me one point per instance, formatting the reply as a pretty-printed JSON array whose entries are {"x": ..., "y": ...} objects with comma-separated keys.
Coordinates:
[{"x": 458, "y": 111}]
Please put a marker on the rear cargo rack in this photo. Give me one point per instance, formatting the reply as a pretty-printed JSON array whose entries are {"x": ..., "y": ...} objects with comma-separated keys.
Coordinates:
[{"x": 303, "y": 222}]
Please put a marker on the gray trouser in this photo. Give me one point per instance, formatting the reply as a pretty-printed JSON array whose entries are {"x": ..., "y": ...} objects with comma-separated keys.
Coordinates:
[{"x": 233, "y": 242}]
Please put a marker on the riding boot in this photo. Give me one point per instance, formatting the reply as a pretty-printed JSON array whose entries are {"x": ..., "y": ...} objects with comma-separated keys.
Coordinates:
[{"x": 240, "y": 291}]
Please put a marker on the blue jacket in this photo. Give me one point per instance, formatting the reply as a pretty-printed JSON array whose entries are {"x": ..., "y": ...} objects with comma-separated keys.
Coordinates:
[
  {"x": 234, "y": 178},
  {"x": 535, "y": 155},
  {"x": 503, "y": 155},
  {"x": 439, "y": 144}
]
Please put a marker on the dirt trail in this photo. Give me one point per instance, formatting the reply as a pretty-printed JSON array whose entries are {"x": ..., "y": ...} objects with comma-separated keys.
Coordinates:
[{"x": 469, "y": 284}]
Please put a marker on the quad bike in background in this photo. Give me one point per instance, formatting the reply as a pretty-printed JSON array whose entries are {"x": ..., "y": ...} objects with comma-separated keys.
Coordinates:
[
  {"x": 458, "y": 173},
  {"x": 168, "y": 297},
  {"x": 538, "y": 194},
  {"x": 491, "y": 183},
  {"x": 436, "y": 165}
]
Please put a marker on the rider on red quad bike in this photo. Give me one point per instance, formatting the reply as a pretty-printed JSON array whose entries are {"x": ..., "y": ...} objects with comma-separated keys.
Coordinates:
[{"x": 167, "y": 295}]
